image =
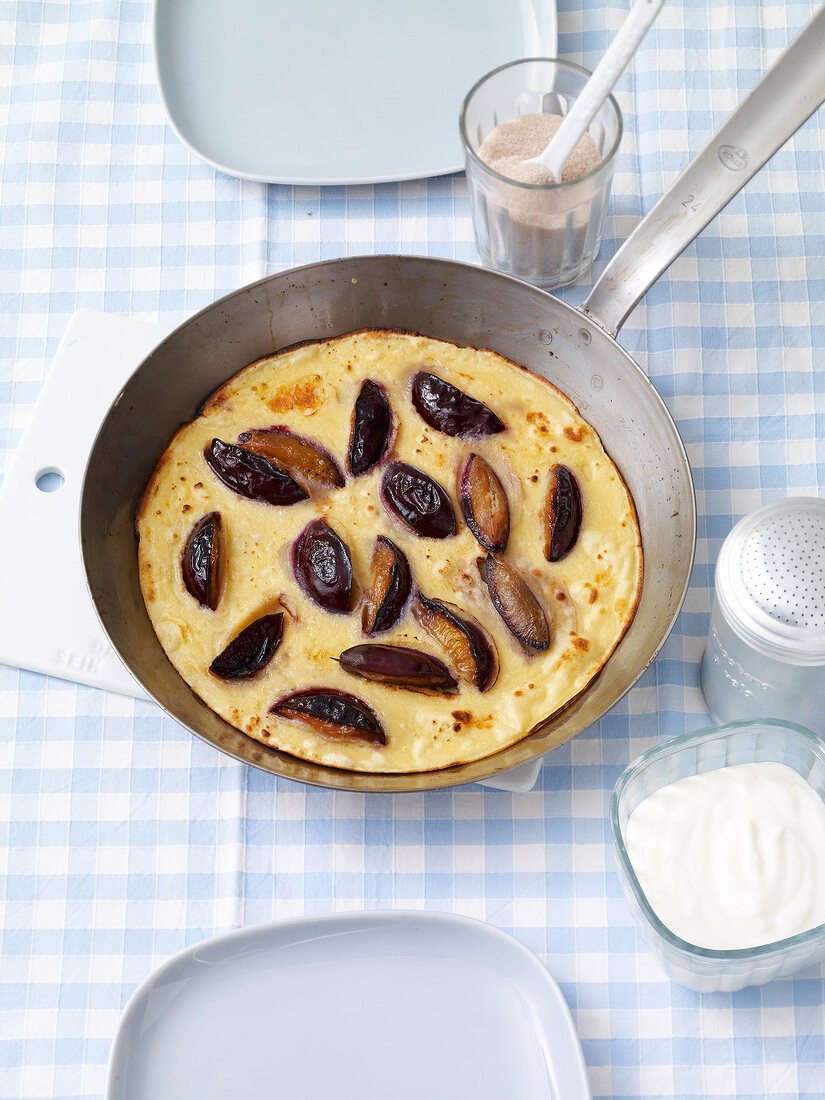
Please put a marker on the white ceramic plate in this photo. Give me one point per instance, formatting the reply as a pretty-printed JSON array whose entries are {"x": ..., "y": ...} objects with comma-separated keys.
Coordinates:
[
  {"x": 351, "y": 1006},
  {"x": 334, "y": 91}
]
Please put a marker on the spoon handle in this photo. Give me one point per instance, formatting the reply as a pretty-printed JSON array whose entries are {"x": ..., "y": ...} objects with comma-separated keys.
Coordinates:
[{"x": 598, "y": 87}]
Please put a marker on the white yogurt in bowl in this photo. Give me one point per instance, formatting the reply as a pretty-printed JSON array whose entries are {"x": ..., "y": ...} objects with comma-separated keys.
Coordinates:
[
  {"x": 719, "y": 837},
  {"x": 732, "y": 858}
]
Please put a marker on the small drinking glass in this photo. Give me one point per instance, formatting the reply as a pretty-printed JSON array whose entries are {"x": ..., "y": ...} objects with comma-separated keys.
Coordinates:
[{"x": 547, "y": 234}]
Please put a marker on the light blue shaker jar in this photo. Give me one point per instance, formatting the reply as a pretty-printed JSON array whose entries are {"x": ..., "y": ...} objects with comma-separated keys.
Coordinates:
[{"x": 765, "y": 655}]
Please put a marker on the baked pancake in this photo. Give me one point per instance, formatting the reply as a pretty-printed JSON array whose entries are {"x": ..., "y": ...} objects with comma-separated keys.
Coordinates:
[{"x": 387, "y": 553}]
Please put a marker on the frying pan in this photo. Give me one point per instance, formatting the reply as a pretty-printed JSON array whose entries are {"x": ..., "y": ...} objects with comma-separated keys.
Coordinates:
[{"x": 466, "y": 305}]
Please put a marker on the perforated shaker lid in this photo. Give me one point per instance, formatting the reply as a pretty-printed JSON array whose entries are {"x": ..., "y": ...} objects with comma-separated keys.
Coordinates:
[{"x": 770, "y": 580}]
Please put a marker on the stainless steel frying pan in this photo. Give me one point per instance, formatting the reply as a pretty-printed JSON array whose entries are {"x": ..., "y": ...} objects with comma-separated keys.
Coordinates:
[{"x": 466, "y": 305}]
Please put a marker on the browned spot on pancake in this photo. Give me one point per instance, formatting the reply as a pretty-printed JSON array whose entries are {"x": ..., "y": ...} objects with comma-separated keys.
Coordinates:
[
  {"x": 186, "y": 508},
  {"x": 573, "y": 434},
  {"x": 518, "y": 693},
  {"x": 534, "y": 477},
  {"x": 594, "y": 594},
  {"x": 537, "y": 573},
  {"x": 561, "y": 596},
  {"x": 150, "y": 593},
  {"x": 198, "y": 485},
  {"x": 554, "y": 448},
  {"x": 537, "y": 418},
  {"x": 254, "y": 722},
  {"x": 531, "y": 686},
  {"x": 305, "y": 396},
  {"x": 582, "y": 644}
]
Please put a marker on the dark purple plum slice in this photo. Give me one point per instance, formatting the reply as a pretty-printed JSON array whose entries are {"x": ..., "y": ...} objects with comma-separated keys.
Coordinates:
[
  {"x": 304, "y": 461},
  {"x": 418, "y": 501},
  {"x": 448, "y": 409},
  {"x": 251, "y": 476},
  {"x": 389, "y": 588},
  {"x": 517, "y": 604},
  {"x": 332, "y": 713},
  {"x": 251, "y": 649},
  {"x": 472, "y": 653},
  {"x": 371, "y": 428},
  {"x": 203, "y": 562},
  {"x": 484, "y": 504},
  {"x": 399, "y": 666},
  {"x": 562, "y": 514},
  {"x": 322, "y": 566}
]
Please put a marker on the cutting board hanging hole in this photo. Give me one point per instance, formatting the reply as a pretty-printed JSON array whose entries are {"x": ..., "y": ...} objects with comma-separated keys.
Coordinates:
[{"x": 50, "y": 479}]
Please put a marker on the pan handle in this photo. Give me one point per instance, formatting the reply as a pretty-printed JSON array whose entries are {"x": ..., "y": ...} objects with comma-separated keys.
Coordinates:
[{"x": 785, "y": 97}]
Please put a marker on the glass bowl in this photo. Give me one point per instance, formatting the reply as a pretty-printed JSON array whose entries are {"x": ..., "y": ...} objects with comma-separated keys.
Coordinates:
[{"x": 743, "y": 742}]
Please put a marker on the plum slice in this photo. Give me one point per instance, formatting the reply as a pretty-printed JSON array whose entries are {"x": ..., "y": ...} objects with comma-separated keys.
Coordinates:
[
  {"x": 400, "y": 666},
  {"x": 304, "y": 461},
  {"x": 389, "y": 587},
  {"x": 484, "y": 504},
  {"x": 322, "y": 566},
  {"x": 517, "y": 604},
  {"x": 418, "y": 500},
  {"x": 203, "y": 562},
  {"x": 472, "y": 653},
  {"x": 448, "y": 409},
  {"x": 251, "y": 649},
  {"x": 251, "y": 476},
  {"x": 371, "y": 427},
  {"x": 332, "y": 713},
  {"x": 562, "y": 513}
]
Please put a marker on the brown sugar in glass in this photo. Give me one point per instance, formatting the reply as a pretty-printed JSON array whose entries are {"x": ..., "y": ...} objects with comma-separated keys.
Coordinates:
[{"x": 546, "y": 233}]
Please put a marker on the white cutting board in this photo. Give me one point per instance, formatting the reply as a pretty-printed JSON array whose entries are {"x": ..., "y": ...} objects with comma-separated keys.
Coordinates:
[{"x": 47, "y": 621}]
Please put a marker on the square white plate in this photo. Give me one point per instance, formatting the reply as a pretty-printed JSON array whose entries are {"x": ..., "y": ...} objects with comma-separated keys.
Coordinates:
[
  {"x": 351, "y": 1006},
  {"x": 331, "y": 91}
]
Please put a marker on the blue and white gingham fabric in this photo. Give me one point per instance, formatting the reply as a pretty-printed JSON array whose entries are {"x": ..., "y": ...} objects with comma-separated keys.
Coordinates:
[{"x": 122, "y": 839}]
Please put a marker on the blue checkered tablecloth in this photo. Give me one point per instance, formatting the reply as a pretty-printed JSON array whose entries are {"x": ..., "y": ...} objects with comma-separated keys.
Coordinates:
[{"x": 122, "y": 839}]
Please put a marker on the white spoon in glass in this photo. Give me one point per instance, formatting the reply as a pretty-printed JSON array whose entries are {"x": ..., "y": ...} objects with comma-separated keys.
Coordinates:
[{"x": 598, "y": 87}]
